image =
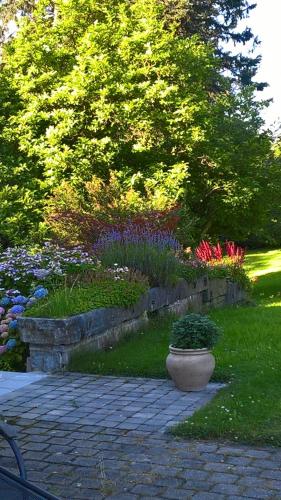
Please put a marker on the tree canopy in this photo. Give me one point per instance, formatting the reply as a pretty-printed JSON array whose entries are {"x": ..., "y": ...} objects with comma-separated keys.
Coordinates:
[{"x": 91, "y": 86}]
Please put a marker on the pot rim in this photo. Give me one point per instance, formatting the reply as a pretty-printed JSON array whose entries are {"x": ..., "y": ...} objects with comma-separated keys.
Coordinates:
[{"x": 192, "y": 352}]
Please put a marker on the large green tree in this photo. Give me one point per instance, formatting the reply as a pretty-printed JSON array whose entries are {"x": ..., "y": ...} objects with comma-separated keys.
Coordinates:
[
  {"x": 217, "y": 22},
  {"x": 100, "y": 85}
]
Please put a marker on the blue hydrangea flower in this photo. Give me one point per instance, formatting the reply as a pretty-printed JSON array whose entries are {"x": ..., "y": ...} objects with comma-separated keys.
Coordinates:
[
  {"x": 17, "y": 309},
  {"x": 13, "y": 324},
  {"x": 40, "y": 293},
  {"x": 5, "y": 301},
  {"x": 11, "y": 344},
  {"x": 20, "y": 299}
]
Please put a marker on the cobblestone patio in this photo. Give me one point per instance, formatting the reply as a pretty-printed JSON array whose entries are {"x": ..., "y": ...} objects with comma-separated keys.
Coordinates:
[{"x": 102, "y": 437}]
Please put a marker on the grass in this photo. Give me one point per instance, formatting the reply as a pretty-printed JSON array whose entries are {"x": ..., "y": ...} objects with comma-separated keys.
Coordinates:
[
  {"x": 248, "y": 357},
  {"x": 67, "y": 301},
  {"x": 141, "y": 355},
  {"x": 259, "y": 263}
]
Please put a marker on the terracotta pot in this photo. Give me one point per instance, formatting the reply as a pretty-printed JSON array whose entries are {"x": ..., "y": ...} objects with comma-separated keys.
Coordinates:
[{"x": 190, "y": 369}]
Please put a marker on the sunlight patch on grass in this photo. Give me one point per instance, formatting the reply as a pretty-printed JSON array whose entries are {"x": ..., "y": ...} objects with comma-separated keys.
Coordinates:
[{"x": 260, "y": 263}]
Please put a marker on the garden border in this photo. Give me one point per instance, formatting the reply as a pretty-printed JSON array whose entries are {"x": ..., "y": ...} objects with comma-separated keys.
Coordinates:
[{"x": 52, "y": 341}]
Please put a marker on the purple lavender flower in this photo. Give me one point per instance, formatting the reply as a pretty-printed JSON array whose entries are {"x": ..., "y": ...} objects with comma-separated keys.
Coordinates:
[{"x": 137, "y": 235}]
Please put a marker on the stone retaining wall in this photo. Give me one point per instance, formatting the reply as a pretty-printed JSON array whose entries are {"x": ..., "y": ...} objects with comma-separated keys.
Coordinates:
[{"x": 52, "y": 341}]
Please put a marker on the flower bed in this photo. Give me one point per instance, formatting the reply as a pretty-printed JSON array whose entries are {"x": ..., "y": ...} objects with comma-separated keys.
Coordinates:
[
  {"x": 26, "y": 275},
  {"x": 118, "y": 271}
]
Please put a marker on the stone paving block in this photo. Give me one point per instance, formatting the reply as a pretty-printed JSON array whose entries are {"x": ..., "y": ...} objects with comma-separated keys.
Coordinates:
[
  {"x": 247, "y": 470},
  {"x": 252, "y": 482},
  {"x": 34, "y": 455},
  {"x": 144, "y": 489},
  {"x": 178, "y": 493},
  {"x": 224, "y": 477},
  {"x": 219, "y": 467},
  {"x": 259, "y": 493},
  {"x": 271, "y": 474},
  {"x": 208, "y": 496},
  {"x": 195, "y": 475},
  {"x": 239, "y": 460},
  {"x": 227, "y": 489},
  {"x": 198, "y": 485},
  {"x": 267, "y": 464},
  {"x": 31, "y": 446},
  {"x": 124, "y": 496}
]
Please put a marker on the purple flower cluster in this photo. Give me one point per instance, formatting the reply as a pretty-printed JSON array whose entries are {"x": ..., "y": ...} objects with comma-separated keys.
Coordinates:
[
  {"x": 137, "y": 235},
  {"x": 23, "y": 267}
]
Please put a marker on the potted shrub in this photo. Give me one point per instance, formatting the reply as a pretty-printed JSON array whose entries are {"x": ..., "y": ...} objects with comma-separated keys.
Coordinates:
[{"x": 190, "y": 362}]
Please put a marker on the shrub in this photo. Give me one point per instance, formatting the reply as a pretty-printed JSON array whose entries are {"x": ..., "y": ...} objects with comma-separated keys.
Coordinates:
[
  {"x": 231, "y": 270},
  {"x": 194, "y": 331},
  {"x": 192, "y": 269},
  {"x": 80, "y": 216}
]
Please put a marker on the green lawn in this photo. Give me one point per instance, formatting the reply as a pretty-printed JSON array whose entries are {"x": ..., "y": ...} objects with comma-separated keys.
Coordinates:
[{"x": 248, "y": 357}]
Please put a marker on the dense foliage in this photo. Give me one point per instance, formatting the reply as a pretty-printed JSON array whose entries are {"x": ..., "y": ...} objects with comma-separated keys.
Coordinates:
[
  {"x": 90, "y": 87},
  {"x": 194, "y": 331}
]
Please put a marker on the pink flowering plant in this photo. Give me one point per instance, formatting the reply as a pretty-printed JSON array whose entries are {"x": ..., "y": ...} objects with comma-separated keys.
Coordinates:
[
  {"x": 206, "y": 252},
  {"x": 224, "y": 261}
]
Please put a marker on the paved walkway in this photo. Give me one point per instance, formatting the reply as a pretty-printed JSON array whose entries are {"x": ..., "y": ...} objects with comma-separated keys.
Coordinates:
[
  {"x": 87, "y": 437},
  {"x": 11, "y": 381}
]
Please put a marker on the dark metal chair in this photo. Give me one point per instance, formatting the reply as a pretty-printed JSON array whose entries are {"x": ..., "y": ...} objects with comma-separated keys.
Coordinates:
[{"x": 13, "y": 487}]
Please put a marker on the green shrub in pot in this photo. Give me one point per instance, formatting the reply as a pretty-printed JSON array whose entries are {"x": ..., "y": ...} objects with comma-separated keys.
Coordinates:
[
  {"x": 190, "y": 362},
  {"x": 194, "y": 331}
]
